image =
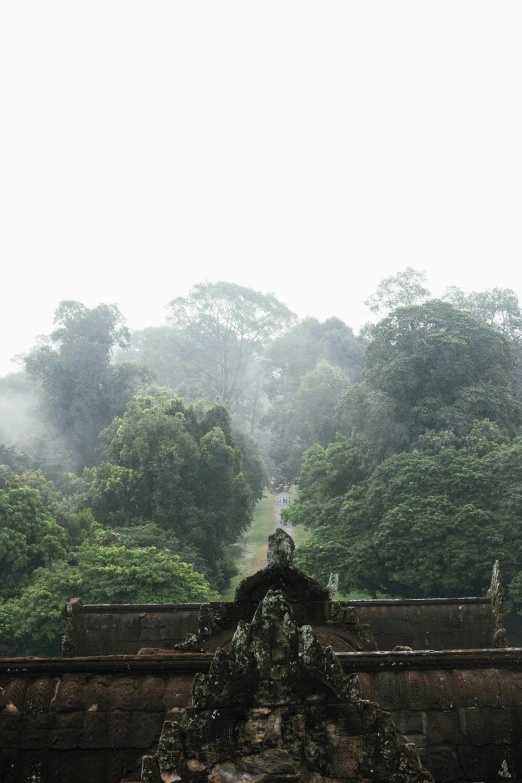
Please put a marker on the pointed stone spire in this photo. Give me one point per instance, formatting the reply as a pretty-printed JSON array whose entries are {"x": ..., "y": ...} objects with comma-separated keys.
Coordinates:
[
  {"x": 280, "y": 549},
  {"x": 496, "y": 596}
]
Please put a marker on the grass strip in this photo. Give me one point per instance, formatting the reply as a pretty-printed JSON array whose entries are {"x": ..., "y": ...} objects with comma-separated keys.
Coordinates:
[{"x": 249, "y": 551}]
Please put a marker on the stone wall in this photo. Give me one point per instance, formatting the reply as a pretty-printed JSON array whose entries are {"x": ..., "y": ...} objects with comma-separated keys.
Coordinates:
[
  {"x": 266, "y": 712},
  {"x": 115, "y": 629},
  {"x": 430, "y": 624},
  {"x": 92, "y": 719},
  {"x": 464, "y": 716}
]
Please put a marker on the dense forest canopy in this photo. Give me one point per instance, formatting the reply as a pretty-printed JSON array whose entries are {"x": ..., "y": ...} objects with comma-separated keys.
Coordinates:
[{"x": 130, "y": 463}]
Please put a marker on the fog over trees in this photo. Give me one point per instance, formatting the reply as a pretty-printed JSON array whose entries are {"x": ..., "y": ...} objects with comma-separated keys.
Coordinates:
[{"x": 130, "y": 463}]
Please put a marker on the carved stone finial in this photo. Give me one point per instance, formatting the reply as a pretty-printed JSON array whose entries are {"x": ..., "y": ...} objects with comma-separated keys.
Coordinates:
[
  {"x": 496, "y": 596},
  {"x": 68, "y": 648},
  {"x": 333, "y": 585},
  {"x": 280, "y": 549},
  {"x": 217, "y": 619},
  {"x": 73, "y": 606}
]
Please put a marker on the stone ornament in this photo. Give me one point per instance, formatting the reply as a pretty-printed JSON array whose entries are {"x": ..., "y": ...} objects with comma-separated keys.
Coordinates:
[{"x": 266, "y": 712}]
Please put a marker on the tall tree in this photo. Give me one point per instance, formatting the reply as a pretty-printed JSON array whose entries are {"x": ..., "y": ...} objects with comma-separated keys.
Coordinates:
[
  {"x": 499, "y": 307},
  {"x": 307, "y": 418},
  {"x": 401, "y": 290},
  {"x": 304, "y": 346},
  {"x": 307, "y": 370},
  {"x": 224, "y": 330},
  {"x": 81, "y": 389},
  {"x": 424, "y": 494},
  {"x": 177, "y": 466},
  {"x": 431, "y": 367},
  {"x": 158, "y": 348}
]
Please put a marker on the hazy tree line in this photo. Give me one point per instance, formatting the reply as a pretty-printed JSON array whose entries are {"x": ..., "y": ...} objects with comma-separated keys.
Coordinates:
[{"x": 129, "y": 463}]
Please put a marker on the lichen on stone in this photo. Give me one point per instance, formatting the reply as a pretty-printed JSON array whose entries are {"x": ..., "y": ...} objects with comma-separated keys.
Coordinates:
[{"x": 266, "y": 712}]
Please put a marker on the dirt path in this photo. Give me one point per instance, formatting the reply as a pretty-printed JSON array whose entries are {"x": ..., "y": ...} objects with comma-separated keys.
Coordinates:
[
  {"x": 249, "y": 551},
  {"x": 279, "y": 505}
]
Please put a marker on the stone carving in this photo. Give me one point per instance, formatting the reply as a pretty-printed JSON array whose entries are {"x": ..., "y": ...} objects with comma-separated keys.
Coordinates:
[
  {"x": 68, "y": 647},
  {"x": 281, "y": 549},
  {"x": 333, "y": 585},
  {"x": 280, "y": 573},
  {"x": 307, "y": 596},
  {"x": 213, "y": 618},
  {"x": 496, "y": 596},
  {"x": 347, "y": 617},
  {"x": 264, "y": 712},
  {"x": 72, "y": 612}
]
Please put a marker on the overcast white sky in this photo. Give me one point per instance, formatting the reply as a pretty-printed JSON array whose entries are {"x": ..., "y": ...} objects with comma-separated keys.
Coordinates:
[{"x": 305, "y": 148}]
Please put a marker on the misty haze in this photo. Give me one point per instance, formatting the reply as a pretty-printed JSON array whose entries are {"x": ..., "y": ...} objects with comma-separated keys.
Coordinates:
[
  {"x": 133, "y": 455},
  {"x": 261, "y": 393}
]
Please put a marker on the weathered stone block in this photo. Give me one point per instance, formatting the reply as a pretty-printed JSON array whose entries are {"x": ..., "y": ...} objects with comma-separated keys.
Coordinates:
[
  {"x": 69, "y": 695},
  {"x": 443, "y": 728},
  {"x": 410, "y": 721},
  {"x": 101, "y": 695},
  {"x": 150, "y": 694},
  {"x": 443, "y": 764},
  {"x": 69, "y": 720},
  {"x": 477, "y": 726},
  {"x": 177, "y": 692},
  {"x": 96, "y": 730},
  {"x": 123, "y": 694},
  {"x": 66, "y": 739},
  {"x": 118, "y": 728},
  {"x": 483, "y": 762},
  {"x": 145, "y": 729}
]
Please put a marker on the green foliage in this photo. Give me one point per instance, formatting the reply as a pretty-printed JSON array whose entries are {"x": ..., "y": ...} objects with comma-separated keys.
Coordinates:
[
  {"x": 515, "y": 593},
  {"x": 222, "y": 333},
  {"x": 29, "y": 538},
  {"x": 34, "y": 619},
  {"x": 253, "y": 464},
  {"x": 306, "y": 345},
  {"x": 432, "y": 351},
  {"x": 498, "y": 307},
  {"x": 308, "y": 417},
  {"x": 430, "y": 367},
  {"x": 81, "y": 389},
  {"x": 115, "y": 574},
  {"x": 158, "y": 348},
  {"x": 423, "y": 496},
  {"x": 12, "y": 462},
  {"x": 423, "y": 524},
  {"x": 50, "y": 553},
  {"x": 177, "y": 466},
  {"x": 400, "y": 290},
  {"x": 32, "y": 622},
  {"x": 307, "y": 370},
  {"x": 150, "y": 534}
]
